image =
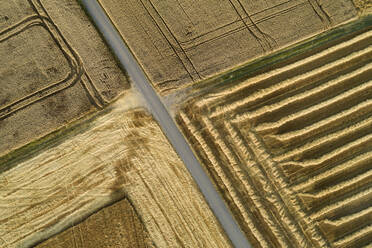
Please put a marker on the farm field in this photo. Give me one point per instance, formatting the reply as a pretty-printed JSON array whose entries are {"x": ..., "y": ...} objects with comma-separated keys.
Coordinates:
[
  {"x": 55, "y": 69},
  {"x": 289, "y": 145},
  {"x": 274, "y": 98},
  {"x": 198, "y": 39},
  {"x": 118, "y": 224},
  {"x": 77, "y": 147},
  {"x": 119, "y": 154}
]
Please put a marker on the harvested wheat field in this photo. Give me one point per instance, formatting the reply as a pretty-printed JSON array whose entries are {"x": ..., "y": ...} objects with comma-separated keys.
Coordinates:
[
  {"x": 273, "y": 97},
  {"x": 119, "y": 154},
  {"x": 287, "y": 139},
  {"x": 200, "y": 38}
]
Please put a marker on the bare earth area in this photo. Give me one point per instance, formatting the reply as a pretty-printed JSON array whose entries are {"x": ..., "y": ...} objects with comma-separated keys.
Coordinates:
[{"x": 290, "y": 148}]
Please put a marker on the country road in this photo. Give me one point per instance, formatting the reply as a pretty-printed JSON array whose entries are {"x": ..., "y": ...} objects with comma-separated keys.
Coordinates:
[{"x": 160, "y": 113}]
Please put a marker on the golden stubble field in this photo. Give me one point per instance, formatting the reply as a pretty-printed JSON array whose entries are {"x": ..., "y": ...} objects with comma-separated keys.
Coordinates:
[
  {"x": 290, "y": 145},
  {"x": 120, "y": 154}
]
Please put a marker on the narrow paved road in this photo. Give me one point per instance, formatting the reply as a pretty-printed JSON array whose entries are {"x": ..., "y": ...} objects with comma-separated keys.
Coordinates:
[{"x": 166, "y": 122}]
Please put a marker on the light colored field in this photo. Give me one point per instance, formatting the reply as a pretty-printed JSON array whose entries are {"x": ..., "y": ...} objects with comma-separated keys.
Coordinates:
[
  {"x": 115, "y": 226},
  {"x": 120, "y": 154},
  {"x": 180, "y": 42},
  {"x": 291, "y": 149},
  {"x": 54, "y": 68}
]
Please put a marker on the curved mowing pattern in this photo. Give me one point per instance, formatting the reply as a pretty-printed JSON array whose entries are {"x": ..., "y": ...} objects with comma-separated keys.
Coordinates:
[
  {"x": 41, "y": 19},
  {"x": 56, "y": 68},
  {"x": 291, "y": 149}
]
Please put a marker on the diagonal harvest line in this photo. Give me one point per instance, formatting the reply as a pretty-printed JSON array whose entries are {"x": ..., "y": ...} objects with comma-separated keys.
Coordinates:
[{"x": 166, "y": 122}]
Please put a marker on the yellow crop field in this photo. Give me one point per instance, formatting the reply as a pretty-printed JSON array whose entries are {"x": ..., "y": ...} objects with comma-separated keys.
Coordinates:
[
  {"x": 122, "y": 154},
  {"x": 290, "y": 148}
]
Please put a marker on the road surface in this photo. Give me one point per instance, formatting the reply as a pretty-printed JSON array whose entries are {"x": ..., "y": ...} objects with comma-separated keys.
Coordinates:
[{"x": 166, "y": 122}]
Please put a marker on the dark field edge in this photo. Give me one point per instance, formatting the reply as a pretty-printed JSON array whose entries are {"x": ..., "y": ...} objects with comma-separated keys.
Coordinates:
[{"x": 280, "y": 58}]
